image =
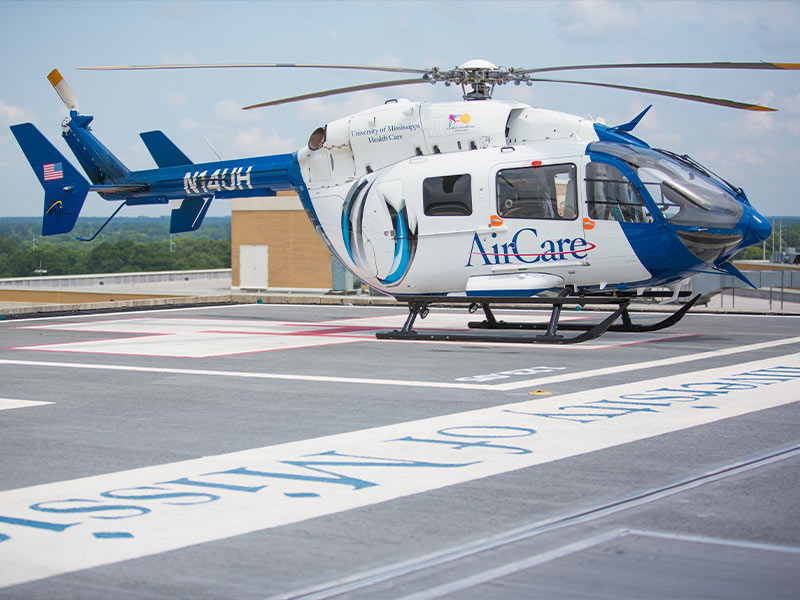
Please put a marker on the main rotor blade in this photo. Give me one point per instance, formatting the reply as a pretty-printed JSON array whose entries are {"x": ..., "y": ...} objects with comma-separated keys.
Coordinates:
[
  {"x": 344, "y": 90},
  {"x": 691, "y": 65},
  {"x": 253, "y": 66},
  {"x": 692, "y": 97}
]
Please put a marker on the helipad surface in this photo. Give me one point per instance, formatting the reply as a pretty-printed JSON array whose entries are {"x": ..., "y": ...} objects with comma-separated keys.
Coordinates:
[{"x": 267, "y": 451}]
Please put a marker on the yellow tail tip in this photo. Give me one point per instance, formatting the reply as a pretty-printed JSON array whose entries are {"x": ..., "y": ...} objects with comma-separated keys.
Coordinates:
[{"x": 54, "y": 77}]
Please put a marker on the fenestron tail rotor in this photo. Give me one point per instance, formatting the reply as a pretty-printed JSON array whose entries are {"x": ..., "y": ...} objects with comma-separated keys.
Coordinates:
[{"x": 479, "y": 77}]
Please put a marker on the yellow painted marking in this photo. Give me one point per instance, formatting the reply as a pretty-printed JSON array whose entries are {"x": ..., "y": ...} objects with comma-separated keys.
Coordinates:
[{"x": 55, "y": 77}]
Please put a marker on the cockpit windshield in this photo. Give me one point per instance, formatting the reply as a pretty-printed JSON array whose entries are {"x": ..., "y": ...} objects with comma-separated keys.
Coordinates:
[{"x": 685, "y": 194}]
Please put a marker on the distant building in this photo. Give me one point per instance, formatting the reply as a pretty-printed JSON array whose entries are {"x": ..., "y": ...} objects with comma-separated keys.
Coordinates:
[
  {"x": 274, "y": 245},
  {"x": 789, "y": 256}
]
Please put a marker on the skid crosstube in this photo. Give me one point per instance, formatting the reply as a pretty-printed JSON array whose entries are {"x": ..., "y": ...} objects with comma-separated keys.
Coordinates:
[{"x": 418, "y": 307}]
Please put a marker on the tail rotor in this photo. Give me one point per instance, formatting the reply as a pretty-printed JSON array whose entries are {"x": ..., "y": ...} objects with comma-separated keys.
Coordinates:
[{"x": 65, "y": 92}]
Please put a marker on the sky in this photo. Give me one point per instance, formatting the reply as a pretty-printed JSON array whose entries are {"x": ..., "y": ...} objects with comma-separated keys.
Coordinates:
[{"x": 758, "y": 151}]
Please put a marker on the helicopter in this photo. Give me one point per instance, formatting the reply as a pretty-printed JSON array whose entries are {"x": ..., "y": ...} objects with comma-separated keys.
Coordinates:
[{"x": 476, "y": 202}]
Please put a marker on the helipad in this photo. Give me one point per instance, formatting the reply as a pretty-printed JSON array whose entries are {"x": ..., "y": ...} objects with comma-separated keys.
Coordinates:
[{"x": 282, "y": 451}]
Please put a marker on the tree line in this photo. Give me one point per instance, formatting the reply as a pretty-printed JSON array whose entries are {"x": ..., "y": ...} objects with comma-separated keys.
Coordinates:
[{"x": 140, "y": 244}]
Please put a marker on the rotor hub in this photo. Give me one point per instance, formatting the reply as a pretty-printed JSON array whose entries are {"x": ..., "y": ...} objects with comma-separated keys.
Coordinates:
[{"x": 480, "y": 75}]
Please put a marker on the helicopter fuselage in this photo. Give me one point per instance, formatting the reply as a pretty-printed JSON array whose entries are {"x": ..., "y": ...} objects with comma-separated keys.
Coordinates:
[{"x": 498, "y": 198}]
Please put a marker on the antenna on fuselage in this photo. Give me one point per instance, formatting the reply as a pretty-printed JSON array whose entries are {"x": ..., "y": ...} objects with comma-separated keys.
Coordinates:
[{"x": 214, "y": 150}]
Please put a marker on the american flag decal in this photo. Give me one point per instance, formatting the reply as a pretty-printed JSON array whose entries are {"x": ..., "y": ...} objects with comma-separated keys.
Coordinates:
[{"x": 53, "y": 171}]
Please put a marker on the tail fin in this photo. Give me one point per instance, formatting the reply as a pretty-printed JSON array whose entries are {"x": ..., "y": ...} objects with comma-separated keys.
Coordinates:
[
  {"x": 163, "y": 150},
  {"x": 65, "y": 188},
  {"x": 190, "y": 214}
]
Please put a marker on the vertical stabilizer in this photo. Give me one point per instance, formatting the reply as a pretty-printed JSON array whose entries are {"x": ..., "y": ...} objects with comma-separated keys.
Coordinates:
[{"x": 65, "y": 188}]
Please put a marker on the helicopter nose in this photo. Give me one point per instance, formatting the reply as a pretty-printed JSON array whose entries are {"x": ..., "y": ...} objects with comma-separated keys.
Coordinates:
[
  {"x": 756, "y": 228},
  {"x": 760, "y": 228}
]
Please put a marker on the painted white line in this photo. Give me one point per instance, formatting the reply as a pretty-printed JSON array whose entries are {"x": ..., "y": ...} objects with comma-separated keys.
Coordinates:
[
  {"x": 60, "y": 527},
  {"x": 648, "y": 364},
  {"x": 7, "y": 403},
  {"x": 125, "y": 313},
  {"x": 250, "y": 375},
  {"x": 501, "y": 387},
  {"x": 698, "y": 539}
]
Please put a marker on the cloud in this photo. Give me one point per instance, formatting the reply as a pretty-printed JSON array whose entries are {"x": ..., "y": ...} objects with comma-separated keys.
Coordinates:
[
  {"x": 651, "y": 128},
  {"x": 588, "y": 21},
  {"x": 791, "y": 116},
  {"x": 191, "y": 124},
  {"x": 231, "y": 110},
  {"x": 10, "y": 114},
  {"x": 330, "y": 110},
  {"x": 757, "y": 122},
  {"x": 768, "y": 23},
  {"x": 256, "y": 142},
  {"x": 177, "y": 99}
]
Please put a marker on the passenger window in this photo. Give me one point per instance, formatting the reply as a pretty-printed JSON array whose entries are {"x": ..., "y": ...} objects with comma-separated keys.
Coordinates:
[
  {"x": 612, "y": 197},
  {"x": 537, "y": 192},
  {"x": 450, "y": 195}
]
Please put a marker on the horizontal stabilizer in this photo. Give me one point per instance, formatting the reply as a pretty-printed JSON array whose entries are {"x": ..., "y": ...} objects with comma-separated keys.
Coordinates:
[
  {"x": 65, "y": 188},
  {"x": 163, "y": 150},
  {"x": 189, "y": 215}
]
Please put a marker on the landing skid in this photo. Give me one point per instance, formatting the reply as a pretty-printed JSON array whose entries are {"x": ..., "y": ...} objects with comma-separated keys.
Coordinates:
[{"x": 418, "y": 307}]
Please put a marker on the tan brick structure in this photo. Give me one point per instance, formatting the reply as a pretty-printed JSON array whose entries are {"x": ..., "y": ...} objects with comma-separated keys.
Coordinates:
[{"x": 297, "y": 257}]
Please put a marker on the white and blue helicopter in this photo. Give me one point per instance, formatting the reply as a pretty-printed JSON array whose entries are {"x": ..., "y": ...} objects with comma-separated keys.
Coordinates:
[{"x": 477, "y": 201}]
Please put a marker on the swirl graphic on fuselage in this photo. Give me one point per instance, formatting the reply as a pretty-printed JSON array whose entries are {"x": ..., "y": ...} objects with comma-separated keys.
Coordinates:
[{"x": 363, "y": 211}]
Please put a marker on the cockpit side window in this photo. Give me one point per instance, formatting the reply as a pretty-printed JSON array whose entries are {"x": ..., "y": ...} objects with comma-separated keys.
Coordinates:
[
  {"x": 612, "y": 197},
  {"x": 537, "y": 192},
  {"x": 450, "y": 195}
]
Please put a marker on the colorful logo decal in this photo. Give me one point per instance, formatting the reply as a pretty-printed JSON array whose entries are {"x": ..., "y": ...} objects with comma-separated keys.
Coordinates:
[
  {"x": 461, "y": 119},
  {"x": 55, "y": 209}
]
